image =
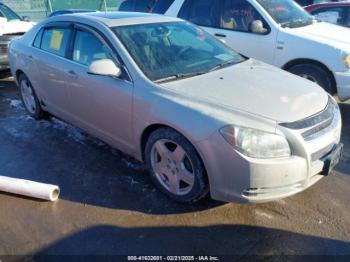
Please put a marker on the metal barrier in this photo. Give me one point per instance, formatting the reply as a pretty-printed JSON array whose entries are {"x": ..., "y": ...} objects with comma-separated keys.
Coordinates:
[{"x": 38, "y": 9}]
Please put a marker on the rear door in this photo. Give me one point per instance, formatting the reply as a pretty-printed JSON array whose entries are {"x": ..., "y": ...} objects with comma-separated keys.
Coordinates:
[
  {"x": 49, "y": 56},
  {"x": 100, "y": 104}
]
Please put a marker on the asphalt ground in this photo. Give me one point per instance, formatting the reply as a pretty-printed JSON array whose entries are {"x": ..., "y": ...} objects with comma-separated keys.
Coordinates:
[{"x": 109, "y": 206}]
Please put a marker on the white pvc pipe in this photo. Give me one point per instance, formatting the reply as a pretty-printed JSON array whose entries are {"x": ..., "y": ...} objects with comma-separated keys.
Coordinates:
[{"x": 29, "y": 188}]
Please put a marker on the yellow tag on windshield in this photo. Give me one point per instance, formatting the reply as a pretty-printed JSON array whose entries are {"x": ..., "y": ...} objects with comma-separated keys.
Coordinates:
[{"x": 56, "y": 40}]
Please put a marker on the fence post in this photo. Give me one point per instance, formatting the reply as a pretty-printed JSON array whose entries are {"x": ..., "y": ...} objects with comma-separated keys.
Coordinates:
[
  {"x": 49, "y": 6},
  {"x": 105, "y": 5}
]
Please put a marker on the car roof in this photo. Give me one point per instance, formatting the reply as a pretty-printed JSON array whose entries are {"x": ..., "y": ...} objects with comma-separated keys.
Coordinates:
[{"x": 112, "y": 19}]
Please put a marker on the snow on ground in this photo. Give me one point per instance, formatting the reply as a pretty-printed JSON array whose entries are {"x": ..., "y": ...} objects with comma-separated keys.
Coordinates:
[
  {"x": 71, "y": 131},
  {"x": 14, "y": 103}
]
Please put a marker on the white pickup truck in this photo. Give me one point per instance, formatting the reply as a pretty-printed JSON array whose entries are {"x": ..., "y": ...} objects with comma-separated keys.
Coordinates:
[
  {"x": 12, "y": 26},
  {"x": 278, "y": 32}
]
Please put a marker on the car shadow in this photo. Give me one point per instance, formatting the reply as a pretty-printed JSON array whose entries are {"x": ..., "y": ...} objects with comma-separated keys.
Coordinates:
[{"x": 241, "y": 241}]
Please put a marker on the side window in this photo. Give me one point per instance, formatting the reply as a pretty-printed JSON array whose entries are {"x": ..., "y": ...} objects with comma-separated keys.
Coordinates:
[
  {"x": 37, "y": 40},
  {"x": 55, "y": 40},
  {"x": 334, "y": 15},
  {"x": 201, "y": 12},
  {"x": 238, "y": 15},
  {"x": 88, "y": 48}
]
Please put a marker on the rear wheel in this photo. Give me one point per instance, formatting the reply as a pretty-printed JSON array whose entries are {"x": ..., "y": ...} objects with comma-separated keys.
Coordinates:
[
  {"x": 314, "y": 73},
  {"x": 29, "y": 98},
  {"x": 175, "y": 166}
]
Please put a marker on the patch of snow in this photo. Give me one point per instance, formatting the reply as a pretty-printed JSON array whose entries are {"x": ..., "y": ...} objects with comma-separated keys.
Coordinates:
[
  {"x": 133, "y": 164},
  {"x": 71, "y": 131},
  {"x": 263, "y": 214},
  {"x": 15, "y": 103},
  {"x": 17, "y": 133}
]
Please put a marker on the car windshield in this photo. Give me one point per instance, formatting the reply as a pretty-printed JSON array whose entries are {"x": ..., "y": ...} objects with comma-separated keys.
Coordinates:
[
  {"x": 174, "y": 50},
  {"x": 8, "y": 13},
  {"x": 287, "y": 13}
]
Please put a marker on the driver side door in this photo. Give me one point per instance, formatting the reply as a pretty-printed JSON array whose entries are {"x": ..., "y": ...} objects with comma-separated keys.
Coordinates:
[{"x": 102, "y": 105}]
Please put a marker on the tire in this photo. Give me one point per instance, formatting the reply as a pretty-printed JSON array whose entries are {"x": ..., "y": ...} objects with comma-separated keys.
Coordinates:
[
  {"x": 314, "y": 73},
  {"x": 175, "y": 166},
  {"x": 29, "y": 98}
]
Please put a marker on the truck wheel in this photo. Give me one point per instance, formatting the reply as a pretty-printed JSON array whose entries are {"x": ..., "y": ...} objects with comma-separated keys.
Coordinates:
[
  {"x": 315, "y": 74},
  {"x": 175, "y": 166},
  {"x": 29, "y": 98}
]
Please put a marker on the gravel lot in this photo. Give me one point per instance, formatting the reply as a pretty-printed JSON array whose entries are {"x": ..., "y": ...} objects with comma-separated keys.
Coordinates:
[{"x": 108, "y": 204}]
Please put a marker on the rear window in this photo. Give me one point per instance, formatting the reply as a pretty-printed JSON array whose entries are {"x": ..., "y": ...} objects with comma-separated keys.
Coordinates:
[{"x": 161, "y": 6}]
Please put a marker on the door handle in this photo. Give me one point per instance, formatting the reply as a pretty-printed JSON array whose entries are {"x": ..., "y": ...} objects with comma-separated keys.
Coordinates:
[
  {"x": 71, "y": 74},
  {"x": 219, "y": 35}
]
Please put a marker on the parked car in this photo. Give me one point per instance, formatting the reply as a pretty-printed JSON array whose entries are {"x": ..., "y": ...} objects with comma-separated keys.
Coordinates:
[
  {"x": 70, "y": 11},
  {"x": 335, "y": 13},
  {"x": 278, "y": 32},
  {"x": 201, "y": 116},
  {"x": 150, "y": 6},
  {"x": 12, "y": 26}
]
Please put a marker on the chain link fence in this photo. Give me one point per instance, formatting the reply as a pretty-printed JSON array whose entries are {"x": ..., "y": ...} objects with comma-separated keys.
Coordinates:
[{"x": 38, "y": 9}]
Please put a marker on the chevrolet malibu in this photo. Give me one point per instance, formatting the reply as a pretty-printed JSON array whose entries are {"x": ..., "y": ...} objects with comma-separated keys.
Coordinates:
[{"x": 202, "y": 117}]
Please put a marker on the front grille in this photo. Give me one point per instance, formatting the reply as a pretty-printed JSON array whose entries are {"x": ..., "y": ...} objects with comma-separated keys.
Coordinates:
[{"x": 311, "y": 126}]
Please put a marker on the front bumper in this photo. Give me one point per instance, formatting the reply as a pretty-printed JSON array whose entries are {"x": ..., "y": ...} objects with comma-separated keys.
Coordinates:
[
  {"x": 343, "y": 84},
  {"x": 234, "y": 177}
]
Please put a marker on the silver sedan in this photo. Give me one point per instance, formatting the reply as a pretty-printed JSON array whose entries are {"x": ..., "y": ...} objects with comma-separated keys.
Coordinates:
[{"x": 201, "y": 116}]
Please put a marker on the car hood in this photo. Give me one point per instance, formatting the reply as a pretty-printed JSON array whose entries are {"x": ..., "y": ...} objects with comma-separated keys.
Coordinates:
[
  {"x": 255, "y": 88},
  {"x": 325, "y": 33},
  {"x": 15, "y": 27}
]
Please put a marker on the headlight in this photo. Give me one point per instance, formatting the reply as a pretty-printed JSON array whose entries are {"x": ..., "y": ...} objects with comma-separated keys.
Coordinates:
[
  {"x": 255, "y": 143},
  {"x": 347, "y": 61}
]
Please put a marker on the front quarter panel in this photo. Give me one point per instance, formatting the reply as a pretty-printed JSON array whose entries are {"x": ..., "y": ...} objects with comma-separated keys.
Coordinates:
[{"x": 193, "y": 118}]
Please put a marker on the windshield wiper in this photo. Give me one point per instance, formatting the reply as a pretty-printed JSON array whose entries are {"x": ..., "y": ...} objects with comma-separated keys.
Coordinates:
[
  {"x": 178, "y": 76},
  {"x": 296, "y": 22},
  {"x": 222, "y": 65}
]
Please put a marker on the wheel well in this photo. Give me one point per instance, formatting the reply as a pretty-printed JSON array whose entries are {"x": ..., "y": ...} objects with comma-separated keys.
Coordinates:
[
  {"x": 146, "y": 134},
  {"x": 18, "y": 73},
  {"x": 150, "y": 129},
  {"x": 295, "y": 62}
]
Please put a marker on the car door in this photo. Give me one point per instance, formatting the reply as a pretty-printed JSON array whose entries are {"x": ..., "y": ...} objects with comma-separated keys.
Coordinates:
[
  {"x": 332, "y": 14},
  {"x": 231, "y": 21},
  {"x": 49, "y": 59},
  {"x": 100, "y": 104}
]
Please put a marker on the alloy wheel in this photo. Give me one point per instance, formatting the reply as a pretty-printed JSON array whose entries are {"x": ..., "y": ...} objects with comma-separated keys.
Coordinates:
[{"x": 172, "y": 167}]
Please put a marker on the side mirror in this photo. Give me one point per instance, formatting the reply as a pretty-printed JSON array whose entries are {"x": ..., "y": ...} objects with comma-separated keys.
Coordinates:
[
  {"x": 257, "y": 27},
  {"x": 104, "y": 67},
  {"x": 26, "y": 18}
]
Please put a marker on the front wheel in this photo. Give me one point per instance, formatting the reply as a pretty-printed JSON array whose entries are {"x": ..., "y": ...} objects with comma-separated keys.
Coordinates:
[
  {"x": 175, "y": 166},
  {"x": 314, "y": 73}
]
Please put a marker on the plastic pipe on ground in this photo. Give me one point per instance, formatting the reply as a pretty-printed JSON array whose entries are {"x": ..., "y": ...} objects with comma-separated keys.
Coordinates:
[{"x": 29, "y": 188}]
